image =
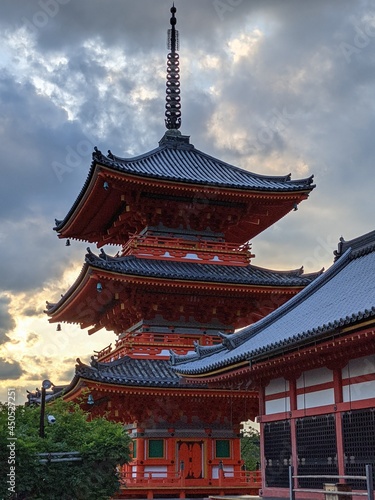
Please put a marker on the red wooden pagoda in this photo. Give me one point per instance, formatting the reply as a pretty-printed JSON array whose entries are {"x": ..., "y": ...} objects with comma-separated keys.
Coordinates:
[{"x": 181, "y": 282}]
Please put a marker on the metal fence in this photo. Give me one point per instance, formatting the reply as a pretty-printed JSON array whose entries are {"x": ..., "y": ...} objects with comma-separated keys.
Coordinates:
[{"x": 369, "y": 494}]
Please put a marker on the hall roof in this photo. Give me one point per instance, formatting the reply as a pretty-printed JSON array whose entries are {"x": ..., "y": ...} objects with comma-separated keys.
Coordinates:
[{"x": 342, "y": 296}]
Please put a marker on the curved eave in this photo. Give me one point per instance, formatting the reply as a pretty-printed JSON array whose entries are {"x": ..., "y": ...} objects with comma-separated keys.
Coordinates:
[
  {"x": 82, "y": 304},
  {"x": 93, "y": 195},
  {"x": 174, "y": 282},
  {"x": 53, "y": 308},
  {"x": 81, "y": 384},
  {"x": 220, "y": 374},
  {"x": 89, "y": 272}
]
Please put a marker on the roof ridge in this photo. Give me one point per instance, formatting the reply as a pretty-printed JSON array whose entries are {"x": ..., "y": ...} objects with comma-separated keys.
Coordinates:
[
  {"x": 288, "y": 272},
  {"x": 199, "y": 353},
  {"x": 355, "y": 254},
  {"x": 344, "y": 320},
  {"x": 111, "y": 157},
  {"x": 360, "y": 245}
]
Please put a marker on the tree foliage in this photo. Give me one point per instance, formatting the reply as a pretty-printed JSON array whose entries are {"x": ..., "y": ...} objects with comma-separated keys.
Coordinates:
[
  {"x": 250, "y": 451},
  {"x": 102, "y": 444}
]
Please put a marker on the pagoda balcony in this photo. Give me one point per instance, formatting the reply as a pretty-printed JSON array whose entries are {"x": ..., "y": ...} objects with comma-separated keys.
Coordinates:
[
  {"x": 141, "y": 484},
  {"x": 184, "y": 250},
  {"x": 153, "y": 344}
]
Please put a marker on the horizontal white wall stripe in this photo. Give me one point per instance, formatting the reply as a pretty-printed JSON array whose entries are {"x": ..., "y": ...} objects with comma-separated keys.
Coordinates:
[
  {"x": 315, "y": 399},
  {"x": 357, "y": 392},
  {"x": 314, "y": 377},
  {"x": 277, "y": 406},
  {"x": 359, "y": 366},
  {"x": 277, "y": 385}
]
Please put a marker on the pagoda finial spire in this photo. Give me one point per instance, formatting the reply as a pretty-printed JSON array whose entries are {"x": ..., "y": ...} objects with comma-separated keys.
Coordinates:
[{"x": 173, "y": 105}]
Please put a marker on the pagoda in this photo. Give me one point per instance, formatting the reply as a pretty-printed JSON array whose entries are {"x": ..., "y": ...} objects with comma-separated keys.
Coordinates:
[{"x": 181, "y": 281}]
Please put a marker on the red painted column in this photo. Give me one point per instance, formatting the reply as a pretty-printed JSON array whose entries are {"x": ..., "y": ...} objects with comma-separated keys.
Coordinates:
[
  {"x": 293, "y": 431},
  {"x": 170, "y": 455},
  {"x": 337, "y": 386},
  {"x": 293, "y": 394},
  {"x": 262, "y": 407},
  {"x": 209, "y": 453},
  {"x": 236, "y": 447},
  {"x": 140, "y": 455},
  {"x": 293, "y": 439}
]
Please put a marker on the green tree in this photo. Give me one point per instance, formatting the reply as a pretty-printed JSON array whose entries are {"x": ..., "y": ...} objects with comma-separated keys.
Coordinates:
[
  {"x": 103, "y": 446},
  {"x": 250, "y": 451}
]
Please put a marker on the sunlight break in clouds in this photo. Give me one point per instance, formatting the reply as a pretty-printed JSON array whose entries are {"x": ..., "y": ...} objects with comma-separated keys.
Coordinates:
[
  {"x": 245, "y": 45},
  {"x": 264, "y": 85}
]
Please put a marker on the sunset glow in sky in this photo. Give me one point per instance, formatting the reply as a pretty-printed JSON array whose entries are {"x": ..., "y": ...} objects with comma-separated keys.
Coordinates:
[{"x": 270, "y": 86}]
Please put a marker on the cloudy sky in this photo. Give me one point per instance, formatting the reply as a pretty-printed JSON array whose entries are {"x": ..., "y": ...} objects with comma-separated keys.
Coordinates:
[{"x": 272, "y": 86}]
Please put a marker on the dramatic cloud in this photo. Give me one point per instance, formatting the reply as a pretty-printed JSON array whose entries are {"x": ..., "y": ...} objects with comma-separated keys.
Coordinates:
[
  {"x": 273, "y": 87},
  {"x": 7, "y": 323},
  {"x": 10, "y": 370}
]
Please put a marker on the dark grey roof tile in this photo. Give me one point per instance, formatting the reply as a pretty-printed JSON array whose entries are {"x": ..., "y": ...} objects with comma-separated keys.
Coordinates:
[
  {"x": 132, "y": 372},
  {"x": 191, "y": 165},
  {"x": 343, "y": 295},
  {"x": 200, "y": 272}
]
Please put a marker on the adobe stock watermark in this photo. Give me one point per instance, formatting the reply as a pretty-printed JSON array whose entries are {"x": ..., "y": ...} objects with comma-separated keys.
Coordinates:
[
  {"x": 278, "y": 121},
  {"x": 74, "y": 158},
  {"x": 222, "y": 7},
  {"x": 323, "y": 249},
  {"x": 11, "y": 446},
  {"x": 364, "y": 31},
  {"x": 48, "y": 10}
]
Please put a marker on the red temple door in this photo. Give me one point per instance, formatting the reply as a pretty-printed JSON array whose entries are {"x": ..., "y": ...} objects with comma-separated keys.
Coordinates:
[{"x": 190, "y": 456}]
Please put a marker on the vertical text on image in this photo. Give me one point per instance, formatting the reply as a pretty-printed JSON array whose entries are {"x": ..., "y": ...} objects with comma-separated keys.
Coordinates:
[{"x": 11, "y": 475}]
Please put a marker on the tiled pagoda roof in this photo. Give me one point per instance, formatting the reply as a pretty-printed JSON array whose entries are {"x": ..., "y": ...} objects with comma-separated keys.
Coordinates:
[
  {"x": 190, "y": 271},
  {"x": 342, "y": 296},
  {"x": 176, "y": 160},
  {"x": 130, "y": 371},
  {"x": 182, "y": 162},
  {"x": 126, "y": 371}
]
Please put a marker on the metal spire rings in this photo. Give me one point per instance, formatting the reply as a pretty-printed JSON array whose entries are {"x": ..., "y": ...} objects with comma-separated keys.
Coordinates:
[{"x": 173, "y": 104}]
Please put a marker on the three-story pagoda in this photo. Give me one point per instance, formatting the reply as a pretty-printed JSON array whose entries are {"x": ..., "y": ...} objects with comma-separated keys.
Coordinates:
[{"x": 182, "y": 281}]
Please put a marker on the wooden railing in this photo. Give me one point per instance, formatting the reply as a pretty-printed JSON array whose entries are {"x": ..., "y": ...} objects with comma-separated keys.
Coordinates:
[
  {"x": 185, "y": 244},
  {"x": 206, "y": 251},
  {"x": 149, "y": 341},
  {"x": 173, "y": 478}
]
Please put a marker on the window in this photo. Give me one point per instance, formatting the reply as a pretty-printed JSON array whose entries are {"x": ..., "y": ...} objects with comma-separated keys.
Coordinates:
[
  {"x": 134, "y": 448},
  {"x": 156, "y": 448},
  {"x": 222, "y": 448}
]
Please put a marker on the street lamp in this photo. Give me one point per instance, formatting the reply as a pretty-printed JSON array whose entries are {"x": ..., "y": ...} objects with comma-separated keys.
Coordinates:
[{"x": 46, "y": 384}]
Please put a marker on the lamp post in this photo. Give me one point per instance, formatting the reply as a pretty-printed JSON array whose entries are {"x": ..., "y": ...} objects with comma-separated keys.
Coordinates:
[{"x": 46, "y": 384}]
